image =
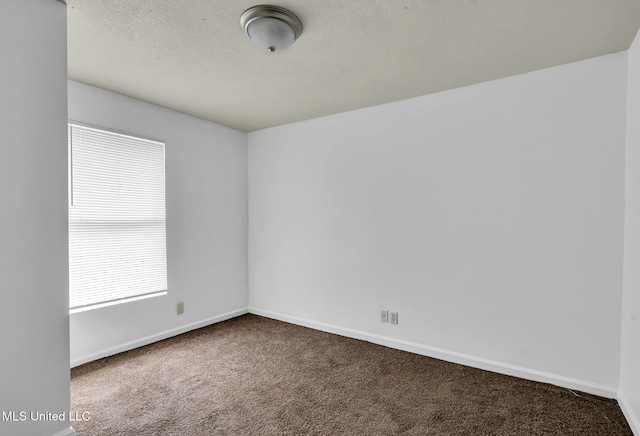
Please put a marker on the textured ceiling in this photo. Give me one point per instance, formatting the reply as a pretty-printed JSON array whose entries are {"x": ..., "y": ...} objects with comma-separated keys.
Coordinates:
[{"x": 193, "y": 56}]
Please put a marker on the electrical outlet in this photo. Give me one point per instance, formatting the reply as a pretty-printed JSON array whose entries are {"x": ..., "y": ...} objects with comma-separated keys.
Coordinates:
[
  {"x": 180, "y": 308},
  {"x": 384, "y": 316},
  {"x": 394, "y": 317}
]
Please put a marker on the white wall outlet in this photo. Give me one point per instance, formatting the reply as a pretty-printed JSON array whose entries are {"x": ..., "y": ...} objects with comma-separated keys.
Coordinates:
[
  {"x": 384, "y": 316},
  {"x": 394, "y": 317},
  {"x": 180, "y": 308}
]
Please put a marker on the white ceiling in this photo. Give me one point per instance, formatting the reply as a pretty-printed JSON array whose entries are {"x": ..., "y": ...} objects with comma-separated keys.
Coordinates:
[{"x": 193, "y": 56}]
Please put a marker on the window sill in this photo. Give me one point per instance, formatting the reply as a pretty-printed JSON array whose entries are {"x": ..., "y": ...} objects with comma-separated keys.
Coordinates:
[{"x": 113, "y": 303}]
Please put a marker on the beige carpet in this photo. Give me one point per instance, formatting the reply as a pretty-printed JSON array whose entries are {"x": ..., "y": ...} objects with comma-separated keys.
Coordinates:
[{"x": 256, "y": 376}]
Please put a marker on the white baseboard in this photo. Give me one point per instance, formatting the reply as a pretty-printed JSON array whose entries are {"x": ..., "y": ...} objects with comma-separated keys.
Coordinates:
[
  {"x": 632, "y": 418},
  {"x": 157, "y": 337},
  {"x": 448, "y": 355},
  {"x": 67, "y": 432}
]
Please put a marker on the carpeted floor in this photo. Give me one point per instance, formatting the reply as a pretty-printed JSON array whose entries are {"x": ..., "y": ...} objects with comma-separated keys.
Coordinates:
[{"x": 256, "y": 376}]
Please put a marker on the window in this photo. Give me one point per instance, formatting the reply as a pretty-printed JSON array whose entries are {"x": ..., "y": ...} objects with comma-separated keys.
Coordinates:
[{"x": 117, "y": 236}]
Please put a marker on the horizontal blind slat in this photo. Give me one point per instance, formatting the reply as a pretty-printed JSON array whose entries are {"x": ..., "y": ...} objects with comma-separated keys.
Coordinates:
[{"x": 117, "y": 224}]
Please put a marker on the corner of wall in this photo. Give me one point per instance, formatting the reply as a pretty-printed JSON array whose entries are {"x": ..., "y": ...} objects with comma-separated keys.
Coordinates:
[
  {"x": 632, "y": 419},
  {"x": 629, "y": 392}
]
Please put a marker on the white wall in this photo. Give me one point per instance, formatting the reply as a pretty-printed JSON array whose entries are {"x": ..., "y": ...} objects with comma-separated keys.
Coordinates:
[
  {"x": 490, "y": 217},
  {"x": 630, "y": 357},
  {"x": 34, "y": 325},
  {"x": 206, "y": 194}
]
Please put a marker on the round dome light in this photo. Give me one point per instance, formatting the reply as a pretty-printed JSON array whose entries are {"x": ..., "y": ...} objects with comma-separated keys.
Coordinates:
[{"x": 271, "y": 28}]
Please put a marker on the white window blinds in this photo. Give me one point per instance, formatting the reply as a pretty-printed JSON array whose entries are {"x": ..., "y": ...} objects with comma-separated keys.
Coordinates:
[{"x": 117, "y": 236}]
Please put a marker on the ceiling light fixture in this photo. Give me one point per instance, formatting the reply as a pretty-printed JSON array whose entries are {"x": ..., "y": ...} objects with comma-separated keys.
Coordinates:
[{"x": 271, "y": 28}]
